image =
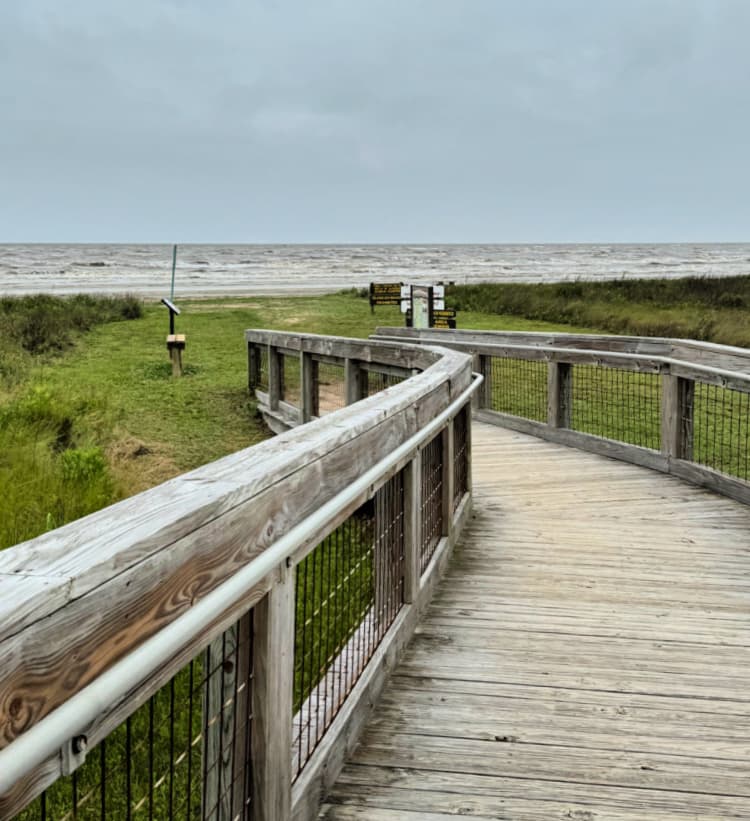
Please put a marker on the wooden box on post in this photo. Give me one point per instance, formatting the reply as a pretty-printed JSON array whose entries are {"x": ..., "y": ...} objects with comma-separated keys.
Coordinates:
[{"x": 175, "y": 346}]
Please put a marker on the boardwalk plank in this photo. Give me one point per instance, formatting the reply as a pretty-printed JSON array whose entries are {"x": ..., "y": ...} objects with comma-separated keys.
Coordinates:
[{"x": 586, "y": 657}]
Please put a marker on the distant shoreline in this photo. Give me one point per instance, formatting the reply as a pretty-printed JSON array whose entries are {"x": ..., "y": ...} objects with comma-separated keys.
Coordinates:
[{"x": 205, "y": 272}]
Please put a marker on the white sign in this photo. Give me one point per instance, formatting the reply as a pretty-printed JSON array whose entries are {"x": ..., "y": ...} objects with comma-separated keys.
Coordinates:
[
  {"x": 438, "y": 291},
  {"x": 438, "y": 304},
  {"x": 405, "y": 305},
  {"x": 406, "y": 292}
]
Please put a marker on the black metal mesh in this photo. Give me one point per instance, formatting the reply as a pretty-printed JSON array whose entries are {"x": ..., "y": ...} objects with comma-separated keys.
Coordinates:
[
  {"x": 331, "y": 387},
  {"x": 720, "y": 429},
  {"x": 460, "y": 456},
  {"x": 153, "y": 765},
  {"x": 290, "y": 379},
  {"x": 616, "y": 404},
  {"x": 262, "y": 368},
  {"x": 518, "y": 387},
  {"x": 349, "y": 590},
  {"x": 431, "y": 503},
  {"x": 377, "y": 382}
]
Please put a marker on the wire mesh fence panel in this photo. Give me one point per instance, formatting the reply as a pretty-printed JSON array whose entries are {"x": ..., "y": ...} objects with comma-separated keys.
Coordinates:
[
  {"x": 331, "y": 387},
  {"x": 291, "y": 379},
  {"x": 616, "y": 404},
  {"x": 263, "y": 368},
  {"x": 431, "y": 503},
  {"x": 519, "y": 387},
  {"x": 720, "y": 428},
  {"x": 377, "y": 382},
  {"x": 460, "y": 456},
  {"x": 349, "y": 590},
  {"x": 184, "y": 754}
]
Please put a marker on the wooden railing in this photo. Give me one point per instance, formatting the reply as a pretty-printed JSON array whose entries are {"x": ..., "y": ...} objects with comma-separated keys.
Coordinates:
[
  {"x": 678, "y": 406},
  {"x": 210, "y": 648}
]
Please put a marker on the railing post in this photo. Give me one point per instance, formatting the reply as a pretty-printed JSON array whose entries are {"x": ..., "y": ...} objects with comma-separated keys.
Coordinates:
[
  {"x": 485, "y": 391},
  {"x": 448, "y": 477},
  {"x": 677, "y": 399},
  {"x": 275, "y": 378},
  {"x": 273, "y": 675},
  {"x": 559, "y": 394},
  {"x": 253, "y": 366},
  {"x": 412, "y": 528},
  {"x": 353, "y": 381},
  {"x": 469, "y": 485},
  {"x": 308, "y": 386}
]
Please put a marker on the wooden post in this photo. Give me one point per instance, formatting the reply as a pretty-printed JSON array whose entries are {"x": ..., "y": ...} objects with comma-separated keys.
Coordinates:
[
  {"x": 485, "y": 391},
  {"x": 308, "y": 386},
  {"x": 353, "y": 381},
  {"x": 469, "y": 483},
  {"x": 175, "y": 346},
  {"x": 476, "y": 397},
  {"x": 225, "y": 709},
  {"x": 677, "y": 400},
  {"x": 315, "y": 408},
  {"x": 448, "y": 477},
  {"x": 559, "y": 394},
  {"x": 275, "y": 378},
  {"x": 273, "y": 676},
  {"x": 412, "y": 528}
]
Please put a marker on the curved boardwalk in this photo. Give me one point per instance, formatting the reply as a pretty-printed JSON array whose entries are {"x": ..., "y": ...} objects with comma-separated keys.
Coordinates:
[{"x": 586, "y": 657}]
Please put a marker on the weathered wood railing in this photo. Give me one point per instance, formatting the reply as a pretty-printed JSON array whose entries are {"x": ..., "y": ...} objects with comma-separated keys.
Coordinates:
[
  {"x": 211, "y": 647},
  {"x": 678, "y": 406}
]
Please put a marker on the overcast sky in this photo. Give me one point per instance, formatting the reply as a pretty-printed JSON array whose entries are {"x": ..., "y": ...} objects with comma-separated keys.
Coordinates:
[{"x": 374, "y": 120}]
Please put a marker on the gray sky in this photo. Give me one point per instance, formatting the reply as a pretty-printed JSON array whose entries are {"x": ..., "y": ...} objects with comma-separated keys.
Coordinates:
[{"x": 374, "y": 120}]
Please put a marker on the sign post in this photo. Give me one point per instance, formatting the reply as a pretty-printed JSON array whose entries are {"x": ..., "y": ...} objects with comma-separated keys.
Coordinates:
[
  {"x": 174, "y": 265},
  {"x": 421, "y": 305}
]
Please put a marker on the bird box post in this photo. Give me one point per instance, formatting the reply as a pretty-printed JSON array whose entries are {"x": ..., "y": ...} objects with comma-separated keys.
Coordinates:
[{"x": 175, "y": 342}]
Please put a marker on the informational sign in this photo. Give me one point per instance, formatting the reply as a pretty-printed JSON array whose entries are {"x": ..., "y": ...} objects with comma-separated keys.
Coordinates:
[
  {"x": 442, "y": 318},
  {"x": 385, "y": 293}
]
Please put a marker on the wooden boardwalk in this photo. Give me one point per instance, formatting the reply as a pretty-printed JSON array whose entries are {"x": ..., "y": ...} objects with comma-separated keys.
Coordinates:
[{"x": 586, "y": 657}]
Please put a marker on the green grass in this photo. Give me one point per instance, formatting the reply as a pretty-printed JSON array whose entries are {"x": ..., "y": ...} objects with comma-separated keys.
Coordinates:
[{"x": 109, "y": 393}]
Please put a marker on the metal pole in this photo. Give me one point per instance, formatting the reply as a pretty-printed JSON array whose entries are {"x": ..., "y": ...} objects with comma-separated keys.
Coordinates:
[{"x": 174, "y": 265}]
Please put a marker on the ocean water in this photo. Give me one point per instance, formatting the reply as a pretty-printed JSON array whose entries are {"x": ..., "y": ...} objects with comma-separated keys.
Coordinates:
[{"x": 225, "y": 270}]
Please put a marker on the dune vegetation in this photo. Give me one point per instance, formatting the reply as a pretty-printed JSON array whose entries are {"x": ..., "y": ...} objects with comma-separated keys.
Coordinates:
[{"x": 712, "y": 309}]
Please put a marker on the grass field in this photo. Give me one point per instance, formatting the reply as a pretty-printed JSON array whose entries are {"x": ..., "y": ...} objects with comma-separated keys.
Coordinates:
[{"x": 102, "y": 418}]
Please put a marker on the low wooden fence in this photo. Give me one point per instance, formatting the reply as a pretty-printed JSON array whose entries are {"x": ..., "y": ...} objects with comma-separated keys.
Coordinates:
[
  {"x": 209, "y": 649},
  {"x": 678, "y": 406}
]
